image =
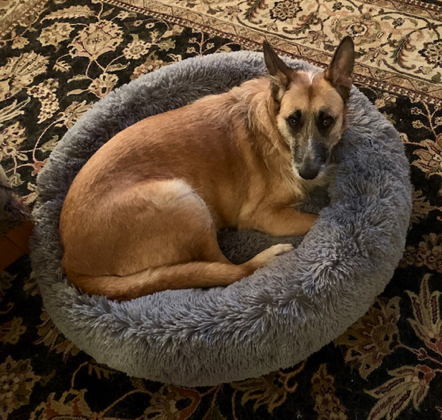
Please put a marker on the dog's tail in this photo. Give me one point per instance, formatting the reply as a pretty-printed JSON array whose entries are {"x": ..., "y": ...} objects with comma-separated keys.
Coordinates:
[{"x": 180, "y": 276}]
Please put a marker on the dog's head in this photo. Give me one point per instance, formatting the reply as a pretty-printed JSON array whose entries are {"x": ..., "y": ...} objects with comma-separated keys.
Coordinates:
[{"x": 310, "y": 107}]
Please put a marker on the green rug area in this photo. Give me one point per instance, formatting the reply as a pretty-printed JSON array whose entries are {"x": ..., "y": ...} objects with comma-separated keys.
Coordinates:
[{"x": 59, "y": 57}]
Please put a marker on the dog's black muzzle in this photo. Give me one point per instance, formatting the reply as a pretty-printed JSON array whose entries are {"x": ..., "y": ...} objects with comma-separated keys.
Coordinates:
[
  {"x": 309, "y": 170},
  {"x": 313, "y": 162}
]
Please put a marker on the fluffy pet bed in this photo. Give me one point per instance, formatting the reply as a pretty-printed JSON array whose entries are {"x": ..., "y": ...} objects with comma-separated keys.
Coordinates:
[{"x": 279, "y": 315}]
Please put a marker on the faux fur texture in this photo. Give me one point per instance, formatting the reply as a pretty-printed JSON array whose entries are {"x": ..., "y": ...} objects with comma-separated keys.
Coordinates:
[{"x": 279, "y": 315}]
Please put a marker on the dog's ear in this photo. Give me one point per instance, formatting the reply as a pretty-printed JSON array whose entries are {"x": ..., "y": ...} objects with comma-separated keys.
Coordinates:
[
  {"x": 279, "y": 72},
  {"x": 339, "y": 72}
]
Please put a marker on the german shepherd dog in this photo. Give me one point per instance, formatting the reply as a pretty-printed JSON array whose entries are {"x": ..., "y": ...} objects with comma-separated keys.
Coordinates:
[{"x": 142, "y": 215}]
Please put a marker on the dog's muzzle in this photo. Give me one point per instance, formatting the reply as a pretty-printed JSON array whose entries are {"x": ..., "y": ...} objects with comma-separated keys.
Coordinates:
[
  {"x": 314, "y": 158},
  {"x": 309, "y": 170}
]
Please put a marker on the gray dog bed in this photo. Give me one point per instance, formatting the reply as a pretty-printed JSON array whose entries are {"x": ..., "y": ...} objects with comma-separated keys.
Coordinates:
[{"x": 282, "y": 313}]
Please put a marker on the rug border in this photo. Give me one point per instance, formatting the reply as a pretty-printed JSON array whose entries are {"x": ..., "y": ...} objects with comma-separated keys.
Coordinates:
[
  {"x": 391, "y": 81},
  {"x": 30, "y": 8}
]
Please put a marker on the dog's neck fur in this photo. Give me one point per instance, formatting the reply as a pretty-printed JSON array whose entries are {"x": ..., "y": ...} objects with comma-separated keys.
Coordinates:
[
  {"x": 253, "y": 100},
  {"x": 246, "y": 110}
]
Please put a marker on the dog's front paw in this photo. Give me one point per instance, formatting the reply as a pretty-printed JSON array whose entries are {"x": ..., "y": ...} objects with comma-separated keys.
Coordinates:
[
  {"x": 281, "y": 249},
  {"x": 267, "y": 256}
]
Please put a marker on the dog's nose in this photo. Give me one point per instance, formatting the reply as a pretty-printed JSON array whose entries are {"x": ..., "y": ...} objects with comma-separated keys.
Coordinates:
[{"x": 308, "y": 171}]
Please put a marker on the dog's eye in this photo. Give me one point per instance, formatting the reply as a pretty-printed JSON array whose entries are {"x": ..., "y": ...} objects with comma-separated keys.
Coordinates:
[
  {"x": 327, "y": 122},
  {"x": 295, "y": 120}
]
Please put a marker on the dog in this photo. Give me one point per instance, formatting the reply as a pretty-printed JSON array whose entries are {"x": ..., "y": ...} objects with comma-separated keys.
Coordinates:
[{"x": 142, "y": 215}]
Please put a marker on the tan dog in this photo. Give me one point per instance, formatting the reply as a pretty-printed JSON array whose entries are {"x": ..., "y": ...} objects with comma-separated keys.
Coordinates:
[{"x": 142, "y": 214}]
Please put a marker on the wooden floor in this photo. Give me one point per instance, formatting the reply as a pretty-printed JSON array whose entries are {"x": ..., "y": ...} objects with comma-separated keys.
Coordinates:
[{"x": 14, "y": 244}]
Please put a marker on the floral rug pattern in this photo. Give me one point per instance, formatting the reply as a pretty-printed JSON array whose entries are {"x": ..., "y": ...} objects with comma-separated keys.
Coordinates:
[
  {"x": 398, "y": 42},
  {"x": 60, "y": 56}
]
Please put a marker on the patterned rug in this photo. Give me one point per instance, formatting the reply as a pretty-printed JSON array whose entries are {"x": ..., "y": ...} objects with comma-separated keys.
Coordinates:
[{"x": 58, "y": 57}]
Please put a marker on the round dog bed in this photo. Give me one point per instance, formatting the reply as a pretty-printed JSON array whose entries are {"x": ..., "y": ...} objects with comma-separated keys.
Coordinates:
[{"x": 276, "y": 317}]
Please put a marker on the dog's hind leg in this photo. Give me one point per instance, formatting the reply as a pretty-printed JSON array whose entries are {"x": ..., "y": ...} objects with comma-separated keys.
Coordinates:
[
  {"x": 159, "y": 235},
  {"x": 181, "y": 276}
]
